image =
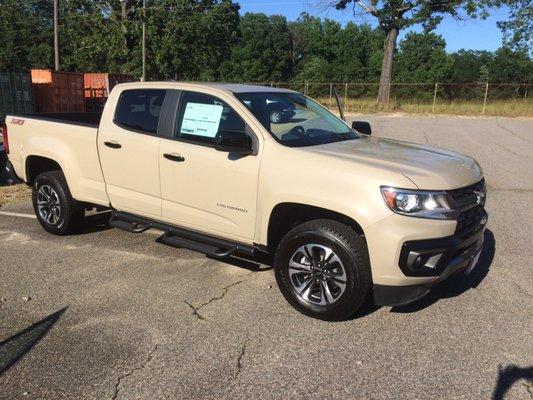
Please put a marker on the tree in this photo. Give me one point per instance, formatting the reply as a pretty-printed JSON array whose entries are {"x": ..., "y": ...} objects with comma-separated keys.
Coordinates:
[
  {"x": 345, "y": 54},
  {"x": 394, "y": 15},
  {"x": 518, "y": 28},
  {"x": 189, "y": 40},
  {"x": 470, "y": 66},
  {"x": 26, "y": 34},
  {"x": 511, "y": 66},
  {"x": 263, "y": 52},
  {"x": 422, "y": 58}
]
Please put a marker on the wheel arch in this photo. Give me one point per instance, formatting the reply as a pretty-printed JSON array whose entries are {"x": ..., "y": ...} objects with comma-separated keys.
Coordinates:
[
  {"x": 36, "y": 165},
  {"x": 286, "y": 216}
]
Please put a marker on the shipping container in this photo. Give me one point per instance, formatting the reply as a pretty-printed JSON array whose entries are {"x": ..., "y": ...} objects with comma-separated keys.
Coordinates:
[
  {"x": 15, "y": 93},
  {"x": 99, "y": 85},
  {"x": 57, "y": 91}
]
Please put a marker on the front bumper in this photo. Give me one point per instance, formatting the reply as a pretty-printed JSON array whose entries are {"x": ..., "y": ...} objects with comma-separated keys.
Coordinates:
[{"x": 439, "y": 258}]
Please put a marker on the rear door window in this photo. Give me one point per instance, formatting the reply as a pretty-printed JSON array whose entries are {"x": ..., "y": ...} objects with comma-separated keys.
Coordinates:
[{"x": 139, "y": 109}]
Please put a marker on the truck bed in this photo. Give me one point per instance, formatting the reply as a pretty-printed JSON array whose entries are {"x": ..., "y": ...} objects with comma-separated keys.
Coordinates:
[
  {"x": 91, "y": 119},
  {"x": 68, "y": 139}
]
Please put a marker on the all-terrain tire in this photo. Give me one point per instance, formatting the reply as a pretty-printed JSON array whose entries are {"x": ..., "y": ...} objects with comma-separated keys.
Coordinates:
[
  {"x": 66, "y": 215},
  {"x": 350, "y": 249}
]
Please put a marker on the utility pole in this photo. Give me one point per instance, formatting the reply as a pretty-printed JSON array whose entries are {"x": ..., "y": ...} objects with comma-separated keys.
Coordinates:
[
  {"x": 143, "y": 79},
  {"x": 123, "y": 9},
  {"x": 56, "y": 36}
]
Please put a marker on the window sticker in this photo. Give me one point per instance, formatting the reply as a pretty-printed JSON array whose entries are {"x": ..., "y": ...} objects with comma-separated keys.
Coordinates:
[{"x": 201, "y": 119}]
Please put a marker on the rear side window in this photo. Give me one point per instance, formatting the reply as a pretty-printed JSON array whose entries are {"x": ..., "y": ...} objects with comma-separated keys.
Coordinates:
[
  {"x": 201, "y": 117},
  {"x": 139, "y": 109}
]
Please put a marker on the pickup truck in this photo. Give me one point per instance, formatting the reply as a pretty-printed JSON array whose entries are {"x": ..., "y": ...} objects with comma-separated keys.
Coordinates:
[{"x": 348, "y": 218}]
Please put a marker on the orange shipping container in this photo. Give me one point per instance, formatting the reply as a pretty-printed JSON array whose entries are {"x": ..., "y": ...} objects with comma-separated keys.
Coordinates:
[
  {"x": 57, "y": 91},
  {"x": 99, "y": 85}
]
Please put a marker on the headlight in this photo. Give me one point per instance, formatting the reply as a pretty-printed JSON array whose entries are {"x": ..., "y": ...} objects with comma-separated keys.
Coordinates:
[{"x": 416, "y": 203}]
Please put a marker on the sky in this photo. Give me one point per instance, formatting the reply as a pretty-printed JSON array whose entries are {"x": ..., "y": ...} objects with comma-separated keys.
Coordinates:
[{"x": 468, "y": 34}]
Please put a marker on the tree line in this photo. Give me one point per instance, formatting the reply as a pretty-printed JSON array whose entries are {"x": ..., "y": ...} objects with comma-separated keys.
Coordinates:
[{"x": 209, "y": 40}]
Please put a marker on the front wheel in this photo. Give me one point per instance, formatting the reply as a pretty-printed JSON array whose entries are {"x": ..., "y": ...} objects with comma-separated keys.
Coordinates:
[
  {"x": 322, "y": 269},
  {"x": 56, "y": 210}
]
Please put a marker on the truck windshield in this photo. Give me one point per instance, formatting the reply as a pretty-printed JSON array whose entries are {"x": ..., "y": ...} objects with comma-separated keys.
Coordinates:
[{"x": 295, "y": 120}]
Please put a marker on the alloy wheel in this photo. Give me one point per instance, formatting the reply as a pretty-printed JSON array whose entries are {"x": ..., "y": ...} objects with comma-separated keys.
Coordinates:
[
  {"x": 48, "y": 204},
  {"x": 317, "y": 274}
]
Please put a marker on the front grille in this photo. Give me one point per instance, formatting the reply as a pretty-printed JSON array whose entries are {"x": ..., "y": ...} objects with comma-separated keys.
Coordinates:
[
  {"x": 470, "y": 219},
  {"x": 468, "y": 195}
]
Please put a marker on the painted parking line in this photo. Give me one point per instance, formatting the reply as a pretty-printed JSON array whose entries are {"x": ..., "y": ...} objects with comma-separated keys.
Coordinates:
[
  {"x": 32, "y": 216},
  {"x": 14, "y": 214}
]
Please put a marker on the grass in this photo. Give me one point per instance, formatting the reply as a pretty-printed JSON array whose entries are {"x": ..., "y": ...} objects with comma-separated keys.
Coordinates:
[
  {"x": 500, "y": 108},
  {"x": 14, "y": 194}
]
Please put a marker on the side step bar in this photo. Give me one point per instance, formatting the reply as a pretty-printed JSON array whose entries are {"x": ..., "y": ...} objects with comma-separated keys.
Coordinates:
[
  {"x": 125, "y": 225},
  {"x": 177, "y": 241},
  {"x": 179, "y": 237}
]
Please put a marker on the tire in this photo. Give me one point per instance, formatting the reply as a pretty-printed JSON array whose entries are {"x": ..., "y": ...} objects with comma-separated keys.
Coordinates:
[
  {"x": 349, "y": 264},
  {"x": 56, "y": 210}
]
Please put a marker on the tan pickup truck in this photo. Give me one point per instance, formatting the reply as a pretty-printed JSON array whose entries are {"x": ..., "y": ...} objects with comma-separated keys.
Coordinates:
[{"x": 237, "y": 170}]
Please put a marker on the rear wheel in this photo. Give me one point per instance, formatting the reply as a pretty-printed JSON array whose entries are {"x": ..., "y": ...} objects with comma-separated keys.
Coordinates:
[
  {"x": 56, "y": 210},
  {"x": 322, "y": 269}
]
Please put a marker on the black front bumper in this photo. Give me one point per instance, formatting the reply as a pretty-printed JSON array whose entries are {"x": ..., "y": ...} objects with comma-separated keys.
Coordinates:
[{"x": 434, "y": 257}]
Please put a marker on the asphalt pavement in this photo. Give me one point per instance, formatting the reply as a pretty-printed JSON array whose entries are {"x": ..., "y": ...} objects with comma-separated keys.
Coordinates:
[{"x": 108, "y": 314}]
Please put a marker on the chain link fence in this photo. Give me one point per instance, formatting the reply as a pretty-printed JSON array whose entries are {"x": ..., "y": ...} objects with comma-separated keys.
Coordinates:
[{"x": 439, "y": 98}]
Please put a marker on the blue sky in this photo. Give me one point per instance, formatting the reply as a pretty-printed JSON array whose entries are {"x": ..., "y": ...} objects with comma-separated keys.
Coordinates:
[{"x": 469, "y": 34}]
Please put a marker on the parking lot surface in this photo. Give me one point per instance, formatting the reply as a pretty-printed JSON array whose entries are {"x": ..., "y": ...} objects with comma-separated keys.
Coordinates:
[{"x": 108, "y": 314}]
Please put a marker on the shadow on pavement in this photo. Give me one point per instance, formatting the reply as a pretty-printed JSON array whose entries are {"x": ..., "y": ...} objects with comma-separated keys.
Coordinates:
[
  {"x": 508, "y": 376},
  {"x": 15, "y": 347},
  {"x": 95, "y": 223},
  {"x": 457, "y": 284}
]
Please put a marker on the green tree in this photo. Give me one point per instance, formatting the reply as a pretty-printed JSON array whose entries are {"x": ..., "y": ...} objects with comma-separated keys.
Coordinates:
[
  {"x": 510, "y": 66},
  {"x": 470, "y": 66},
  {"x": 349, "y": 52},
  {"x": 517, "y": 29},
  {"x": 422, "y": 58},
  {"x": 263, "y": 52},
  {"x": 26, "y": 34},
  {"x": 189, "y": 40},
  {"x": 358, "y": 54},
  {"x": 395, "y": 15}
]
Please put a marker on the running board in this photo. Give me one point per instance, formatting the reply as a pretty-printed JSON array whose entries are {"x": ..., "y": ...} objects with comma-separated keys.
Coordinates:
[
  {"x": 181, "y": 238},
  {"x": 125, "y": 225},
  {"x": 180, "y": 242}
]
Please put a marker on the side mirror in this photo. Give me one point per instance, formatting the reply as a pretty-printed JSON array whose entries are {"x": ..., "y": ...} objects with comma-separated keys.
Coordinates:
[
  {"x": 362, "y": 127},
  {"x": 233, "y": 142}
]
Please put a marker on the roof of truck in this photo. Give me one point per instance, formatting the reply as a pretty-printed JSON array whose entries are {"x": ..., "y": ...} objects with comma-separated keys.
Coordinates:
[{"x": 230, "y": 87}]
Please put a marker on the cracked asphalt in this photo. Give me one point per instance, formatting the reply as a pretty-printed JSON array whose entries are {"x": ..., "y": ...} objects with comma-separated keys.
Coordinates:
[{"x": 108, "y": 314}]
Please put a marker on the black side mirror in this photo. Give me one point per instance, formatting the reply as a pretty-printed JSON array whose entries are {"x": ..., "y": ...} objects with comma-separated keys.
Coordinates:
[
  {"x": 362, "y": 127},
  {"x": 233, "y": 142}
]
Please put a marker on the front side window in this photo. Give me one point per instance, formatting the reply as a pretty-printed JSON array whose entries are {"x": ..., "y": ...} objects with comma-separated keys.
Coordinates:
[
  {"x": 295, "y": 120},
  {"x": 139, "y": 109},
  {"x": 201, "y": 117}
]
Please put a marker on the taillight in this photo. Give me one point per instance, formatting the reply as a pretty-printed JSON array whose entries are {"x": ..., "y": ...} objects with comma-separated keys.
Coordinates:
[{"x": 6, "y": 141}]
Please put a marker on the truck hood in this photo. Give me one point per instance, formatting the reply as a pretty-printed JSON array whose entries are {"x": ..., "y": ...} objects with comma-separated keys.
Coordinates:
[{"x": 428, "y": 167}]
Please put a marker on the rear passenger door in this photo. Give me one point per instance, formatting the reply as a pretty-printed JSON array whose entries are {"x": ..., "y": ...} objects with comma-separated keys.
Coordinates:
[
  {"x": 202, "y": 188},
  {"x": 129, "y": 152}
]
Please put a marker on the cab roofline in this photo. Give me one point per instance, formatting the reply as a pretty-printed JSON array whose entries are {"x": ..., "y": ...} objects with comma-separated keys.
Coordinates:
[{"x": 230, "y": 87}]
